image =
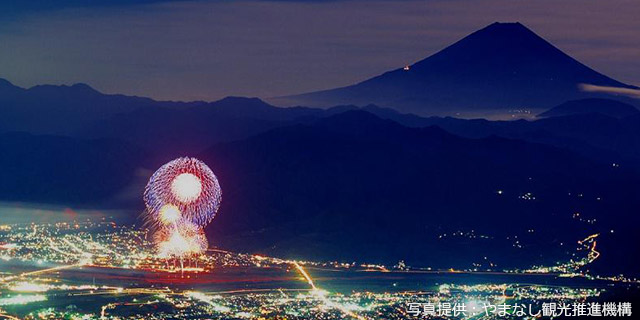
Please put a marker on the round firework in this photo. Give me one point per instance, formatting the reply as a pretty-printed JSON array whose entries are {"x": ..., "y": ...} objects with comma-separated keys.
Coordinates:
[
  {"x": 184, "y": 187},
  {"x": 181, "y": 240}
]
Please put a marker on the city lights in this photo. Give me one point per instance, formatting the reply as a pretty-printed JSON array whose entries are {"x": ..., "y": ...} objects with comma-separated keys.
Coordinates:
[{"x": 103, "y": 248}]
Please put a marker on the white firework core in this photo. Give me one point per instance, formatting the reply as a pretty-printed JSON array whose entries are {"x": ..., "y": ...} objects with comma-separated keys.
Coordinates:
[
  {"x": 189, "y": 185},
  {"x": 180, "y": 240},
  {"x": 186, "y": 187}
]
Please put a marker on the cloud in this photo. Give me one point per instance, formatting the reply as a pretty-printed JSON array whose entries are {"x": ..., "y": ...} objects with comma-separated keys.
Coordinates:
[{"x": 629, "y": 92}]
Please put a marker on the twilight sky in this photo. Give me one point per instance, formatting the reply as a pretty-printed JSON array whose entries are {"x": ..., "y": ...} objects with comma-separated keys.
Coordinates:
[{"x": 188, "y": 50}]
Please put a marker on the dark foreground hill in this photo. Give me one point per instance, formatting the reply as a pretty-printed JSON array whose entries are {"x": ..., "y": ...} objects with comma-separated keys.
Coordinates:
[
  {"x": 353, "y": 186},
  {"x": 502, "y": 67},
  {"x": 63, "y": 170}
]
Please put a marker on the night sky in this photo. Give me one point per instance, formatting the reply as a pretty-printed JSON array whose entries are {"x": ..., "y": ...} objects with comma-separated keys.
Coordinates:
[{"x": 188, "y": 50}]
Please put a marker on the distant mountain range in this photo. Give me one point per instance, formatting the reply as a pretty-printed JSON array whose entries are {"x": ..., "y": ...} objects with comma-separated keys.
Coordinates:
[
  {"x": 501, "y": 68},
  {"x": 598, "y": 131},
  {"x": 60, "y": 109},
  {"x": 368, "y": 183}
]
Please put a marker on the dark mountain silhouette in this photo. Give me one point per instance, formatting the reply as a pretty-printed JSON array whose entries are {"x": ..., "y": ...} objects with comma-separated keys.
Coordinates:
[
  {"x": 354, "y": 186},
  {"x": 81, "y": 111},
  {"x": 600, "y": 137},
  {"x": 165, "y": 128},
  {"x": 63, "y": 110},
  {"x": 255, "y": 108},
  {"x": 170, "y": 131},
  {"x": 606, "y": 107},
  {"x": 503, "y": 66}
]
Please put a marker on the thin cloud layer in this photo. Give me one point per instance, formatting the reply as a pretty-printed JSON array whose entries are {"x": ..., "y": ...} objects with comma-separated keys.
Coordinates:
[{"x": 631, "y": 93}]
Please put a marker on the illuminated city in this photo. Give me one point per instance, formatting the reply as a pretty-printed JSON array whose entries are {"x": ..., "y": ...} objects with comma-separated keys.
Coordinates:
[
  {"x": 102, "y": 270},
  {"x": 166, "y": 270}
]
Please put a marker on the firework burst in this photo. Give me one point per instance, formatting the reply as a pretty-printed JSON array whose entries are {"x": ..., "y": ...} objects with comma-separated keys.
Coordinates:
[
  {"x": 182, "y": 239},
  {"x": 189, "y": 187},
  {"x": 182, "y": 197}
]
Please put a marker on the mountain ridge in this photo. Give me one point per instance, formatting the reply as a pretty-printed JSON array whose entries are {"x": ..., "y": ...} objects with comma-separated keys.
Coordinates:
[{"x": 500, "y": 67}]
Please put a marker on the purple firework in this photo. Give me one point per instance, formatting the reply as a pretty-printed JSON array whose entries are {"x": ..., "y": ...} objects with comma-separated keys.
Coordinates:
[{"x": 188, "y": 187}]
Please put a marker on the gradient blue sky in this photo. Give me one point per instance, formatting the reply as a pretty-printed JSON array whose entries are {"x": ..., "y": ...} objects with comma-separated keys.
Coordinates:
[{"x": 188, "y": 50}]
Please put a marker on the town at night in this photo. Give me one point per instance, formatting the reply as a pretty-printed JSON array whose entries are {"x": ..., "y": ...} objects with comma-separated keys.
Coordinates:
[{"x": 102, "y": 270}]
